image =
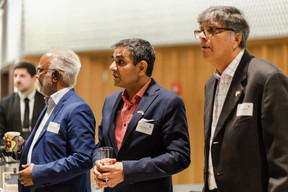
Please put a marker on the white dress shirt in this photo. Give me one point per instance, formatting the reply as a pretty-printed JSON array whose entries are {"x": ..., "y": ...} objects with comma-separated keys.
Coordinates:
[
  {"x": 31, "y": 98},
  {"x": 52, "y": 102},
  {"x": 223, "y": 84}
]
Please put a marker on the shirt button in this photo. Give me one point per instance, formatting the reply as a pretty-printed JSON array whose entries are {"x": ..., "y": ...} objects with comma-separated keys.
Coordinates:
[
  {"x": 124, "y": 125},
  {"x": 129, "y": 109}
]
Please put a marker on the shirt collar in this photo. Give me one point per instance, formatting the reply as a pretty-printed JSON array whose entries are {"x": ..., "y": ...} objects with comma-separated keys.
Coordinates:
[
  {"x": 231, "y": 68},
  {"x": 55, "y": 97},
  {"x": 138, "y": 96},
  {"x": 30, "y": 96}
]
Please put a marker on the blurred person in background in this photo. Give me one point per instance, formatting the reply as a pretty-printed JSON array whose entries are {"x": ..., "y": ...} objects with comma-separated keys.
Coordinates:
[
  {"x": 246, "y": 105},
  {"x": 58, "y": 154},
  {"x": 20, "y": 111},
  {"x": 144, "y": 123}
]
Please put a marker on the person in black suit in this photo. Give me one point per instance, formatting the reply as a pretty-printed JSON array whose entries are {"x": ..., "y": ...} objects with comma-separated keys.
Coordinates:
[
  {"x": 245, "y": 113},
  {"x": 12, "y": 107}
]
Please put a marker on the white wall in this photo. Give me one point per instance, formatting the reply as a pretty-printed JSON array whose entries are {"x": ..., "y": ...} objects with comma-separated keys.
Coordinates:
[
  {"x": 84, "y": 25},
  {"x": 1, "y": 37},
  {"x": 12, "y": 39}
]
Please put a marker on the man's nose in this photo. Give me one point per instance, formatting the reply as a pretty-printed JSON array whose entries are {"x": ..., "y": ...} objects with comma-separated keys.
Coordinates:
[
  {"x": 16, "y": 78},
  {"x": 113, "y": 66},
  {"x": 202, "y": 35}
]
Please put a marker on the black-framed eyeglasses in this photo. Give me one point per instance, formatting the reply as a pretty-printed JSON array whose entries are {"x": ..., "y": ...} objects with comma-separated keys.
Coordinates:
[
  {"x": 210, "y": 31},
  {"x": 40, "y": 70}
]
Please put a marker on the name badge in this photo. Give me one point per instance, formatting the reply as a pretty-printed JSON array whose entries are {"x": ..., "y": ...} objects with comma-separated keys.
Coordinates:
[
  {"x": 245, "y": 109},
  {"x": 145, "y": 127},
  {"x": 53, "y": 127}
]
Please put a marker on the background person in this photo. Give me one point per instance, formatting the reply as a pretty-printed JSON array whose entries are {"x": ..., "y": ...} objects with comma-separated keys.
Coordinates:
[{"x": 14, "y": 114}]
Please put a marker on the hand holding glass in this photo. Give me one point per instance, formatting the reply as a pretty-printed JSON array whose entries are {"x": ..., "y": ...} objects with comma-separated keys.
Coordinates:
[{"x": 106, "y": 153}]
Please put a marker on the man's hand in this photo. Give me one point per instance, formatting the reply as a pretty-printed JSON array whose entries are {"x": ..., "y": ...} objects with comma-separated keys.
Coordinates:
[
  {"x": 7, "y": 142},
  {"x": 108, "y": 173},
  {"x": 25, "y": 176}
]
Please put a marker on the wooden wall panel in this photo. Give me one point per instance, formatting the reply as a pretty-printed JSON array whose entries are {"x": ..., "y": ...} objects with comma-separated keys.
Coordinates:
[
  {"x": 273, "y": 50},
  {"x": 181, "y": 64},
  {"x": 95, "y": 81}
]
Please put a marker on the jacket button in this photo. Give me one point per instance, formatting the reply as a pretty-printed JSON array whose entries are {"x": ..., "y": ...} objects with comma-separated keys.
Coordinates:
[{"x": 218, "y": 173}]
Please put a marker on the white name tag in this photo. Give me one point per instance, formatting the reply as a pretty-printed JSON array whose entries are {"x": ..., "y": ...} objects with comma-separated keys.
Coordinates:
[
  {"x": 53, "y": 127},
  {"x": 145, "y": 127},
  {"x": 245, "y": 109}
]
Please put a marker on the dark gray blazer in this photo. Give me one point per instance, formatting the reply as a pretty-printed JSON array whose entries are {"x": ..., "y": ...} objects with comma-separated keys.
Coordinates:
[
  {"x": 250, "y": 153},
  {"x": 10, "y": 117}
]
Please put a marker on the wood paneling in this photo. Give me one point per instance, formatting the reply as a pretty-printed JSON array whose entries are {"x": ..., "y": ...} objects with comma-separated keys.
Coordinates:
[
  {"x": 7, "y": 82},
  {"x": 273, "y": 50},
  {"x": 181, "y": 64}
]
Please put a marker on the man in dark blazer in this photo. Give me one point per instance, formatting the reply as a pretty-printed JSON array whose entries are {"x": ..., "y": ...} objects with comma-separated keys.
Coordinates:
[
  {"x": 246, "y": 105},
  {"x": 58, "y": 155},
  {"x": 12, "y": 107},
  {"x": 144, "y": 123}
]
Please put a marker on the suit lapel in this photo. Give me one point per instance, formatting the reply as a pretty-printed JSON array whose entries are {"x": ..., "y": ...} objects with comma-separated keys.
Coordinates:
[
  {"x": 18, "y": 114},
  {"x": 37, "y": 108},
  {"x": 50, "y": 119},
  {"x": 208, "y": 109},
  {"x": 112, "y": 119},
  {"x": 30, "y": 139},
  {"x": 232, "y": 99},
  {"x": 54, "y": 114},
  {"x": 147, "y": 99}
]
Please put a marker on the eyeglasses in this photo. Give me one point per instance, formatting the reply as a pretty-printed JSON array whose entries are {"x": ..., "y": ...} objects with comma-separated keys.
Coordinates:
[
  {"x": 40, "y": 70},
  {"x": 210, "y": 31}
]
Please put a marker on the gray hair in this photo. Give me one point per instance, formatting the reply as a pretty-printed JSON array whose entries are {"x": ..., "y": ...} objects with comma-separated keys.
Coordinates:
[
  {"x": 67, "y": 61},
  {"x": 230, "y": 17}
]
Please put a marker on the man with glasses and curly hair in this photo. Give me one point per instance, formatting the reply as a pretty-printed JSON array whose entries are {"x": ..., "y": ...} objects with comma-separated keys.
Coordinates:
[{"x": 246, "y": 105}]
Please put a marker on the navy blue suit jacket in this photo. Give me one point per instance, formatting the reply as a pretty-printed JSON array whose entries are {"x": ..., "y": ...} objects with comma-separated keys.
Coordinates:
[
  {"x": 63, "y": 160},
  {"x": 148, "y": 160}
]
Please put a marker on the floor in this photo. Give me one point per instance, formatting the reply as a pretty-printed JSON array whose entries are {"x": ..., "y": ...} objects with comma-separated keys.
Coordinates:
[{"x": 176, "y": 188}]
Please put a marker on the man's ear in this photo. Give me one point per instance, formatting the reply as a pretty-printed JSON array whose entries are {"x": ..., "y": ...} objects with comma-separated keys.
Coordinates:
[
  {"x": 34, "y": 78},
  {"x": 55, "y": 76},
  {"x": 237, "y": 40},
  {"x": 142, "y": 67}
]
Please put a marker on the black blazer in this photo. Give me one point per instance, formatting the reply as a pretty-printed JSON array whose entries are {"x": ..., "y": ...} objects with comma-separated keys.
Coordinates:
[
  {"x": 249, "y": 152},
  {"x": 10, "y": 117}
]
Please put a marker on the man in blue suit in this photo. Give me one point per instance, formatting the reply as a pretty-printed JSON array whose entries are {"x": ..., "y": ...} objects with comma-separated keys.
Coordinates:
[
  {"x": 58, "y": 154},
  {"x": 144, "y": 123}
]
